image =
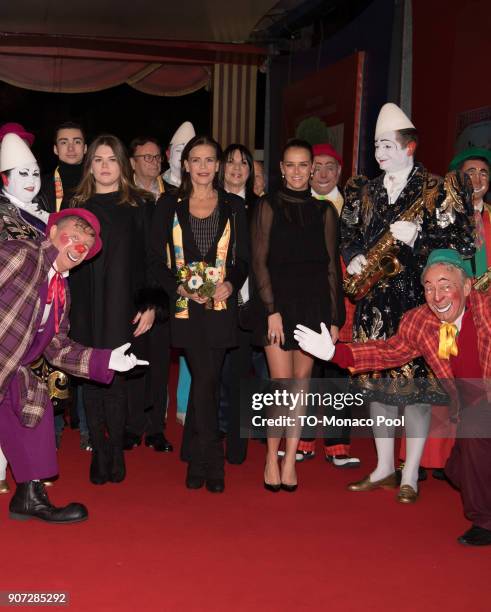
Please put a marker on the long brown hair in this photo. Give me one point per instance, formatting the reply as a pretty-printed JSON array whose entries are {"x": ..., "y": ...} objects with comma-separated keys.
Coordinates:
[{"x": 130, "y": 194}]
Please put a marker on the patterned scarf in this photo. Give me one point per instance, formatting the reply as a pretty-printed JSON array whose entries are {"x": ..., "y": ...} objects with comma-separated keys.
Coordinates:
[
  {"x": 182, "y": 306},
  {"x": 58, "y": 189}
]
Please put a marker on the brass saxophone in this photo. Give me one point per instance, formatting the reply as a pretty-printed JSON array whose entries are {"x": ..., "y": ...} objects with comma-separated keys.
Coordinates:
[
  {"x": 483, "y": 282},
  {"x": 382, "y": 259}
]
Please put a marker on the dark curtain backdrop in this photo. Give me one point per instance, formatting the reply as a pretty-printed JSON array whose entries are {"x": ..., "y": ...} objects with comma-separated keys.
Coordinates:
[
  {"x": 122, "y": 111},
  {"x": 371, "y": 31},
  {"x": 451, "y": 54}
]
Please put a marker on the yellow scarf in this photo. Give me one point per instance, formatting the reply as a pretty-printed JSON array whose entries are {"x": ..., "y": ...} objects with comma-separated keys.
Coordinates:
[
  {"x": 58, "y": 189},
  {"x": 447, "y": 345},
  {"x": 182, "y": 307}
]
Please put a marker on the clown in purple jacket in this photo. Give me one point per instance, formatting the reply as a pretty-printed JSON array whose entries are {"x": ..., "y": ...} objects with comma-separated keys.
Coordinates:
[{"x": 34, "y": 306}]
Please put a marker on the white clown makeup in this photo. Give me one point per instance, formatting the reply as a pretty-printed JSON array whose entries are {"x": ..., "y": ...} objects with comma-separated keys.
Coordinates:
[
  {"x": 24, "y": 182},
  {"x": 390, "y": 155},
  {"x": 175, "y": 153}
]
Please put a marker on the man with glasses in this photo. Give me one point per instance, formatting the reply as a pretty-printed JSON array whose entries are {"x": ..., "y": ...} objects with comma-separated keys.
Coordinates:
[
  {"x": 146, "y": 161},
  {"x": 476, "y": 162}
]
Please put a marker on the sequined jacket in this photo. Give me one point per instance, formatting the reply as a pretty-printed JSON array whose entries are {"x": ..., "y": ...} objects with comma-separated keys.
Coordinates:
[{"x": 446, "y": 222}]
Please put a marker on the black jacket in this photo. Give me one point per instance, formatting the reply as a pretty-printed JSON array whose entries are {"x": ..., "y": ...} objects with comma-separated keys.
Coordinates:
[{"x": 217, "y": 328}]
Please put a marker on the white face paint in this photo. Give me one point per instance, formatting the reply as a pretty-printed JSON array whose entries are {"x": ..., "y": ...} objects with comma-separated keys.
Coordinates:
[
  {"x": 175, "y": 159},
  {"x": 389, "y": 154},
  {"x": 24, "y": 182}
]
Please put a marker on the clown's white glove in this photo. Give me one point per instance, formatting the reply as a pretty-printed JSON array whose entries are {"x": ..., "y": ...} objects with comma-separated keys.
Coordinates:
[
  {"x": 405, "y": 231},
  {"x": 120, "y": 362},
  {"x": 357, "y": 264},
  {"x": 318, "y": 345}
]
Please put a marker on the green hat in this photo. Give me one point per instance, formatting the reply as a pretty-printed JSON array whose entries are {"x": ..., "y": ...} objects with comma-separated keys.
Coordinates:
[
  {"x": 449, "y": 256},
  {"x": 470, "y": 153}
]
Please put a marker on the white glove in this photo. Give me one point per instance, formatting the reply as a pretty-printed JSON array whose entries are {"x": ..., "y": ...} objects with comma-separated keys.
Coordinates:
[
  {"x": 405, "y": 231},
  {"x": 121, "y": 362},
  {"x": 318, "y": 345},
  {"x": 357, "y": 264}
]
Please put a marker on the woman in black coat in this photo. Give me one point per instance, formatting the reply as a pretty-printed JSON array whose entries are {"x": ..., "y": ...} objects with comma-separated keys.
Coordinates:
[
  {"x": 190, "y": 227},
  {"x": 111, "y": 299}
]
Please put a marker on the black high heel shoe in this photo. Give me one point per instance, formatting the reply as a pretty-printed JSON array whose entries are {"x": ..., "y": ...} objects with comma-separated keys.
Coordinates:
[
  {"x": 272, "y": 487},
  {"x": 288, "y": 488}
]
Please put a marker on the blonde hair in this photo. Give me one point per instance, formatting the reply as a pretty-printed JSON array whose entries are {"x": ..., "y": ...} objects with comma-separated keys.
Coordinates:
[{"x": 87, "y": 187}]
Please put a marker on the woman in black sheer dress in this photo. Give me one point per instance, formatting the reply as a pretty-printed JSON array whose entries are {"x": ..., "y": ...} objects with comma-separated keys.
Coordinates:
[{"x": 295, "y": 261}]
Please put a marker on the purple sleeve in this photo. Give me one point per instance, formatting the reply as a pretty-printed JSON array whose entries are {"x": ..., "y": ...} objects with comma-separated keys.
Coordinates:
[{"x": 99, "y": 366}]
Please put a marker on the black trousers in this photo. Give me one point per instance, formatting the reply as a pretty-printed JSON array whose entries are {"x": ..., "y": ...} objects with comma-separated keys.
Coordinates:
[
  {"x": 323, "y": 369},
  {"x": 201, "y": 444},
  {"x": 105, "y": 407},
  {"x": 147, "y": 393},
  {"x": 237, "y": 366}
]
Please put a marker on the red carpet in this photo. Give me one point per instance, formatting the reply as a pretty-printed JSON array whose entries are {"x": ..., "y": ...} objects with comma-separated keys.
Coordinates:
[{"x": 150, "y": 544}]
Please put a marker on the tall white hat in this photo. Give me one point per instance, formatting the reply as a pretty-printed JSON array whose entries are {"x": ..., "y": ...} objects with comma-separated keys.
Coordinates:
[
  {"x": 390, "y": 119},
  {"x": 14, "y": 153},
  {"x": 183, "y": 134}
]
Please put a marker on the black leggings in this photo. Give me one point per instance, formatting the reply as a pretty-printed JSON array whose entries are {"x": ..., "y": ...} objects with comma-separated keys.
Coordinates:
[{"x": 201, "y": 444}]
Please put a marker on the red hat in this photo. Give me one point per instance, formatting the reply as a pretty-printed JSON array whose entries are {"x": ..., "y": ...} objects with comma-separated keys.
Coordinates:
[
  {"x": 326, "y": 149},
  {"x": 16, "y": 128},
  {"x": 91, "y": 219}
]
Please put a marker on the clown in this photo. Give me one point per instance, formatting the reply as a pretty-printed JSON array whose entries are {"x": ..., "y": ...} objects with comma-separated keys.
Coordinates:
[
  {"x": 21, "y": 217},
  {"x": 476, "y": 163},
  {"x": 326, "y": 172},
  {"x": 451, "y": 331},
  {"x": 21, "y": 214},
  {"x": 34, "y": 305},
  {"x": 373, "y": 209},
  {"x": 172, "y": 176}
]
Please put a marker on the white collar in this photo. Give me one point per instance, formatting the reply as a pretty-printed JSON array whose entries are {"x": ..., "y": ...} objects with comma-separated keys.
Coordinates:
[
  {"x": 399, "y": 175},
  {"x": 31, "y": 207},
  {"x": 478, "y": 206},
  {"x": 52, "y": 271},
  {"x": 241, "y": 193},
  {"x": 170, "y": 178},
  {"x": 458, "y": 321}
]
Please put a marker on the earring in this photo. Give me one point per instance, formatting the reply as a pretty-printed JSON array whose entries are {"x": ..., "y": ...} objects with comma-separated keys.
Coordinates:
[{"x": 283, "y": 176}]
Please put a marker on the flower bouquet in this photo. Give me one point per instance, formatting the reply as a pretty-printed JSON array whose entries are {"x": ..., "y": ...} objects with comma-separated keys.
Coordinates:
[{"x": 200, "y": 278}]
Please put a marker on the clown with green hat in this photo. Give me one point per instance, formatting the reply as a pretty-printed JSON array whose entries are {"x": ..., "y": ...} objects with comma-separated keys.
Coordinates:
[
  {"x": 476, "y": 163},
  {"x": 451, "y": 332}
]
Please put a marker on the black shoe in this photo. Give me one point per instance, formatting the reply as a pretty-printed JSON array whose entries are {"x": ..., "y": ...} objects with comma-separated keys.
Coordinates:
[
  {"x": 439, "y": 474},
  {"x": 272, "y": 487},
  {"x": 195, "y": 482},
  {"x": 215, "y": 485},
  {"x": 117, "y": 467},
  {"x": 31, "y": 501},
  {"x": 131, "y": 440},
  {"x": 476, "y": 536},
  {"x": 159, "y": 443},
  {"x": 288, "y": 488},
  {"x": 422, "y": 474},
  {"x": 98, "y": 473}
]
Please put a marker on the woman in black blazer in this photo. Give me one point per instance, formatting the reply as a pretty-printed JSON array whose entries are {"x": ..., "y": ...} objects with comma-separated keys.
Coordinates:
[{"x": 197, "y": 219}]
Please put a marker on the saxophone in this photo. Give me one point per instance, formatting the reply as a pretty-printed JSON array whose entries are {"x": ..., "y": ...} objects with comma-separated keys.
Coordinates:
[{"x": 382, "y": 259}]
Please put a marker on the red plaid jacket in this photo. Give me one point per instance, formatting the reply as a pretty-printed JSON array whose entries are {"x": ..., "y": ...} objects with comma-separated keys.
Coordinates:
[
  {"x": 418, "y": 335},
  {"x": 24, "y": 267}
]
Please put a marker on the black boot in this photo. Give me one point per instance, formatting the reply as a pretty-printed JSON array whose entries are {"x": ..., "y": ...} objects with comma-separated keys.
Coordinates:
[
  {"x": 31, "y": 501},
  {"x": 117, "y": 467},
  {"x": 99, "y": 473}
]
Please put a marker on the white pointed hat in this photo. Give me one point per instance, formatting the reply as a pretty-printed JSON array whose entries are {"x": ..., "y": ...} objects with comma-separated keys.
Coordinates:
[
  {"x": 390, "y": 119},
  {"x": 183, "y": 134},
  {"x": 14, "y": 153}
]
